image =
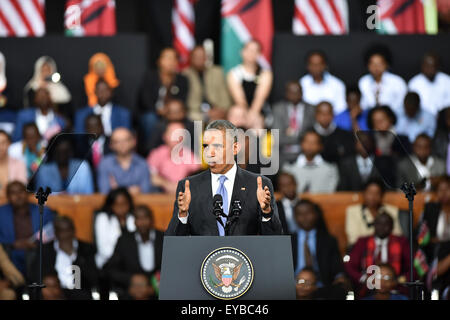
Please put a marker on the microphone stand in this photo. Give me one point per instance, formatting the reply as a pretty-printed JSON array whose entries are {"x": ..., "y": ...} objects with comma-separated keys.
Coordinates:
[
  {"x": 41, "y": 196},
  {"x": 414, "y": 286},
  {"x": 233, "y": 215}
]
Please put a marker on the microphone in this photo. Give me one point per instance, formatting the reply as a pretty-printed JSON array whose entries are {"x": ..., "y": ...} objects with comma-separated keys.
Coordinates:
[
  {"x": 218, "y": 205},
  {"x": 233, "y": 215}
]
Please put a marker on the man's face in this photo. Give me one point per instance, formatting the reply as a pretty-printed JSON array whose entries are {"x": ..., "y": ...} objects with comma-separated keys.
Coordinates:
[
  {"x": 17, "y": 195},
  {"x": 219, "y": 150},
  {"x": 143, "y": 221},
  {"x": 122, "y": 142},
  {"x": 373, "y": 196},
  {"x": 324, "y": 115},
  {"x": 31, "y": 136},
  {"x": 52, "y": 289},
  {"x": 316, "y": 65},
  {"x": 294, "y": 93},
  {"x": 305, "y": 217},
  {"x": 305, "y": 284},
  {"x": 198, "y": 58},
  {"x": 429, "y": 67},
  {"x": 173, "y": 130},
  {"x": 353, "y": 100},
  {"x": 383, "y": 226},
  {"x": 287, "y": 186},
  {"x": 377, "y": 65},
  {"x": 4, "y": 145},
  {"x": 103, "y": 93},
  {"x": 42, "y": 98},
  {"x": 443, "y": 192},
  {"x": 422, "y": 149},
  {"x": 311, "y": 145},
  {"x": 411, "y": 109},
  {"x": 63, "y": 152},
  {"x": 94, "y": 126},
  {"x": 175, "y": 111},
  {"x": 64, "y": 231},
  {"x": 139, "y": 287}
]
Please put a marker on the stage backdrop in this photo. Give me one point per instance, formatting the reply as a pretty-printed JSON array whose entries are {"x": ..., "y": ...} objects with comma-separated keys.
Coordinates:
[
  {"x": 346, "y": 55},
  {"x": 127, "y": 52}
]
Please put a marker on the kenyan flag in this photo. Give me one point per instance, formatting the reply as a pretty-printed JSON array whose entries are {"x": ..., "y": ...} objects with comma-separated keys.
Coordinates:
[
  {"x": 424, "y": 235},
  {"x": 420, "y": 263}
]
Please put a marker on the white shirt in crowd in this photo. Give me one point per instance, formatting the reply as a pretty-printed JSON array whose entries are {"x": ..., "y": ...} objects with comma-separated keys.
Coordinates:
[
  {"x": 390, "y": 91},
  {"x": 434, "y": 95},
  {"x": 331, "y": 89},
  {"x": 107, "y": 232},
  {"x": 382, "y": 244},
  {"x": 43, "y": 122},
  {"x": 63, "y": 265},
  {"x": 146, "y": 251},
  {"x": 288, "y": 206},
  {"x": 105, "y": 113}
]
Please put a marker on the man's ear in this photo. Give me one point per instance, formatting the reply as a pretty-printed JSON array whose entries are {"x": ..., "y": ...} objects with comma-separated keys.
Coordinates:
[{"x": 236, "y": 148}]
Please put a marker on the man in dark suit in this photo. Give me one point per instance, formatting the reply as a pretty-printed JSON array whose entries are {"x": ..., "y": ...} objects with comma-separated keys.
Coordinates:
[
  {"x": 62, "y": 254},
  {"x": 287, "y": 186},
  {"x": 292, "y": 116},
  {"x": 313, "y": 247},
  {"x": 193, "y": 209},
  {"x": 113, "y": 116},
  {"x": 139, "y": 252}
]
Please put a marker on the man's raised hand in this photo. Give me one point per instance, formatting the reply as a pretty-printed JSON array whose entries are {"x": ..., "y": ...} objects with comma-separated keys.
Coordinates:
[
  {"x": 184, "y": 199},
  {"x": 263, "y": 196}
]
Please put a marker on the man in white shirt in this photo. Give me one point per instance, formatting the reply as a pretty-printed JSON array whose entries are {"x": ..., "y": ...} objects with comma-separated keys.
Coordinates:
[
  {"x": 432, "y": 85},
  {"x": 319, "y": 85},
  {"x": 381, "y": 87}
]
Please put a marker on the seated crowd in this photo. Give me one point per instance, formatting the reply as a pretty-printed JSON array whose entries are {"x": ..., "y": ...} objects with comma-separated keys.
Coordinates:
[{"x": 333, "y": 137}]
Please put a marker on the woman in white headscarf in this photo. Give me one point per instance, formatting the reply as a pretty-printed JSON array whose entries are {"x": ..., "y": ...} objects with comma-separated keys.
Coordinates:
[
  {"x": 46, "y": 75},
  {"x": 3, "y": 82}
]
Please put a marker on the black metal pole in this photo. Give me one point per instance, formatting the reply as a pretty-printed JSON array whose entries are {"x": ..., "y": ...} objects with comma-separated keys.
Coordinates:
[
  {"x": 411, "y": 250},
  {"x": 41, "y": 223}
]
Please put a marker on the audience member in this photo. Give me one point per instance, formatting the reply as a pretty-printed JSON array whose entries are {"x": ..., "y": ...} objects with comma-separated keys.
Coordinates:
[
  {"x": 441, "y": 139},
  {"x": 382, "y": 120},
  {"x": 10, "y": 277},
  {"x": 4, "y": 91},
  {"x": 320, "y": 85},
  {"x": 287, "y": 186},
  {"x": 46, "y": 76},
  {"x": 354, "y": 118},
  {"x": 312, "y": 172},
  {"x": 100, "y": 67},
  {"x": 10, "y": 168},
  {"x": 313, "y": 247},
  {"x": 208, "y": 98},
  {"x": 62, "y": 254},
  {"x": 52, "y": 288},
  {"x": 380, "y": 247},
  {"x": 173, "y": 161},
  {"x": 360, "y": 218},
  {"x": 250, "y": 83},
  {"x": 415, "y": 120},
  {"x": 63, "y": 172},
  {"x": 306, "y": 284},
  {"x": 379, "y": 86},
  {"x": 292, "y": 116},
  {"x": 30, "y": 149},
  {"x": 421, "y": 167},
  {"x": 140, "y": 287},
  {"x": 124, "y": 168},
  {"x": 7, "y": 111},
  {"x": 431, "y": 85},
  {"x": 443, "y": 270},
  {"x": 157, "y": 87},
  {"x": 43, "y": 113},
  {"x": 113, "y": 220},
  {"x": 388, "y": 282},
  {"x": 337, "y": 142},
  {"x": 19, "y": 223},
  {"x": 113, "y": 116},
  {"x": 137, "y": 252}
]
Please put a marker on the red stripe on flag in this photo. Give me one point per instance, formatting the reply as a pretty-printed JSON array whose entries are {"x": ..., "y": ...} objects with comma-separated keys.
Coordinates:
[
  {"x": 337, "y": 15},
  {"x": 189, "y": 24},
  {"x": 319, "y": 15},
  {"x": 22, "y": 16},
  {"x": 299, "y": 16},
  {"x": 7, "y": 25},
  {"x": 39, "y": 8}
]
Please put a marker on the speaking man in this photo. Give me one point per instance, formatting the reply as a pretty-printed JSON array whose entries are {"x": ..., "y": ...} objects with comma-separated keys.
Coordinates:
[{"x": 248, "y": 203}]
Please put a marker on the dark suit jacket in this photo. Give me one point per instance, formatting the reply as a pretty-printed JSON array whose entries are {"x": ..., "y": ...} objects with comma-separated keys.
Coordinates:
[
  {"x": 85, "y": 260},
  {"x": 201, "y": 220},
  {"x": 282, "y": 216},
  {"x": 125, "y": 259},
  {"x": 120, "y": 117},
  {"x": 349, "y": 177},
  {"x": 430, "y": 217},
  {"x": 407, "y": 172},
  {"x": 337, "y": 145},
  {"x": 29, "y": 115},
  {"x": 328, "y": 256}
]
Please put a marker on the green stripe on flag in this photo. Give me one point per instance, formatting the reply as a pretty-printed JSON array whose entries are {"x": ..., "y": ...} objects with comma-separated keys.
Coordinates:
[
  {"x": 431, "y": 16},
  {"x": 230, "y": 46}
]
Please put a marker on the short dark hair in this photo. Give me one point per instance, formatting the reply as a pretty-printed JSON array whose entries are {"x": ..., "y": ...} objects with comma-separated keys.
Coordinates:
[
  {"x": 64, "y": 219},
  {"x": 378, "y": 49},
  {"x": 146, "y": 209},
  {"x": 285, "y": 173},
  {"x": 223, "y": 125},
  {"x": 320, "y": 223},
  {"x": 311, "y": 131},
  {"x": 352, "y": 89},
  {"x": 376, "y": 181},
  {"x": 423, "y": 135},
  {"x": 6, "y": 134},
  {"x": 387, "y": 111},
  {"x": 412, "y": 98},
  {"x": 13, "y": 183},
  {"x": 433, "y": 55},
  {"x": 327, "y": 103},
  {"x": 316, "y": 52},
  {"x": 93, "y": 116},
  {"x": 390, "y": 267},
  {"x": 100, "y": 81}
]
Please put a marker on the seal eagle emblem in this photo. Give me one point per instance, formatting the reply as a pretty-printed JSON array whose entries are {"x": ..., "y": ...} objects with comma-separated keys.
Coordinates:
[{"x": 226, "y": 273}]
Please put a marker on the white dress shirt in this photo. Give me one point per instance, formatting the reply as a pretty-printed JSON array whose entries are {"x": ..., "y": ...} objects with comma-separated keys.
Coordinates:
[
  {"x": 383, "y": 245},
  {"x": 424, "y": 169},
  {"x": 107, "y": 232},
  {"x": 365, "y": 166},
  {"x": 331, "y": 89},
  {"x": 434, "y": 95},
  {"x": 43, "y": 122},
  {"x": 288, "y": 206},
  {"x": 105, "y": 113},
  {"x": 146, "y": 251},
  {"x": 391, "y": 91},
  {"x": 63, "y": 265}
]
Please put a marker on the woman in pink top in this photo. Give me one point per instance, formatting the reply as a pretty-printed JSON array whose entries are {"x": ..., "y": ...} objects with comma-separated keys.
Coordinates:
[
  {"x": 10, "y": 169},
  {"x": 171, "y": 161}
]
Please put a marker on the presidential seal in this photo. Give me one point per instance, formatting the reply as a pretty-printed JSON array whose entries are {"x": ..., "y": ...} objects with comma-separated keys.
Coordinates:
[{"x": 226, "y": 273}]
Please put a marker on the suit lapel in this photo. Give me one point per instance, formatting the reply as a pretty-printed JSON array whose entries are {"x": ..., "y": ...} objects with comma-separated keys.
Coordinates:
[{"x": 206, "y": 190}]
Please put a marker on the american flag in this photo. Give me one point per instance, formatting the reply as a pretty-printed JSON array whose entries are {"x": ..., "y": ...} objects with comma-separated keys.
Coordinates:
[
  {"x": 22, "y": 18},
  {"x": 183, "y": 26},
  {"x": 320, "y": 17}
]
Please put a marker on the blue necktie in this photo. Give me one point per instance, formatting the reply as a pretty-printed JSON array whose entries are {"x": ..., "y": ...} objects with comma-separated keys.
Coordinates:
[{"x": 223, "y": 192}]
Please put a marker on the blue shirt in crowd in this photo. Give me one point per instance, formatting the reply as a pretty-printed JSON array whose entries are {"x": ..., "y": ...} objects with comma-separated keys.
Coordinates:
[
  {"x": 301, "y": 234},
  {"x": 423, "y": 122},
  {"x": 344, "y": 120}
]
